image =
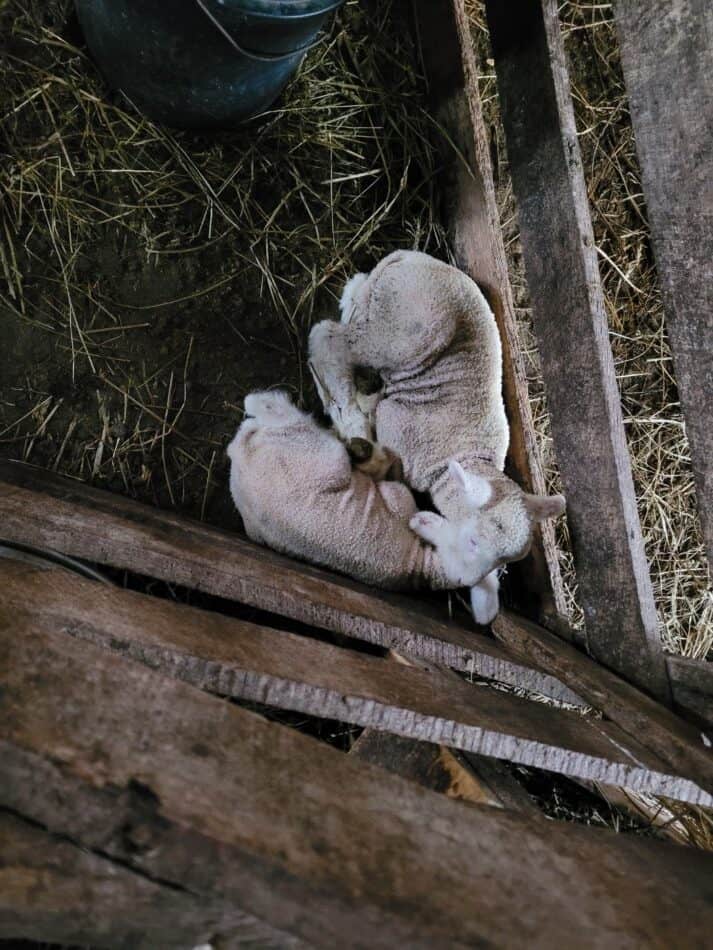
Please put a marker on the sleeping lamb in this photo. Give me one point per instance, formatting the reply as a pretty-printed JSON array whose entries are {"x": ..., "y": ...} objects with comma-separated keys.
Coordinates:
[
  {"x": 428, "y": 330},
  {"x": 294, "y": 486}
]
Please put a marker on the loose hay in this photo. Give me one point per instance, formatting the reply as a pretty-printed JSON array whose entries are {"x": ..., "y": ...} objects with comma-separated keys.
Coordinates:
[{"x": 153, "y": 278}]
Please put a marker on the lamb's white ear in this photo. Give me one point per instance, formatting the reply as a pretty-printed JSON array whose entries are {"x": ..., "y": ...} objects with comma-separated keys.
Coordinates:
[
  {"x": 349, "y": 293},
  {"x": 427, "y": 525},
  {"x": 542, "y": 507},
  {"x": 484, "y": 599},
  {"x": 477, "y": 488}
]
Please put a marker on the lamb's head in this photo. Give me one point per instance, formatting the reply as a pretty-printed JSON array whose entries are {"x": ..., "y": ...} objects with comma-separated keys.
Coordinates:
[
  {"x": 496, "y": 529},
  {"x": 273, "y": 407}
]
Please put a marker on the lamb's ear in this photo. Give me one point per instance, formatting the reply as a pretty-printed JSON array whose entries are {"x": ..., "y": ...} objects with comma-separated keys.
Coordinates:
[
  {"x": 542, "y": 507},
  {"x": 427, "y": 525},
  {"x": 477, "y": 488}
]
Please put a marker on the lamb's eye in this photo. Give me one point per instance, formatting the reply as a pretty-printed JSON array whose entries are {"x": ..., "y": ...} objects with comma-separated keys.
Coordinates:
[
  {"x": 498, "y": 524},
  {"x": 472, "y": 543}
]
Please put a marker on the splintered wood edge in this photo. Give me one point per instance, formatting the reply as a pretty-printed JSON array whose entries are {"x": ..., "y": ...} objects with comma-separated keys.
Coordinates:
[{"x": 85, "y": 522}]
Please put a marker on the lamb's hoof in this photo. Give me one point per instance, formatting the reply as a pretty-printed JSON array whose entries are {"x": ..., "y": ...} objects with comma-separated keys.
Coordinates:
[
  {"x": 381, "y": 463},
  {"x": 485, "y": 604},
  {"x": 360, "y": 450}
]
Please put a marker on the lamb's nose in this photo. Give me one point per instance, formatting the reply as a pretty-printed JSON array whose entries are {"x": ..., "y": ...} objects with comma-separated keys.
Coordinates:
[{"x": 360, "y": 450}]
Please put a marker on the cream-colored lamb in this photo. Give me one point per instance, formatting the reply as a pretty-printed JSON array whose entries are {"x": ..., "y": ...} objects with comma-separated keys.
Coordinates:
[
  {"x": 294, "y": 486},
  {"x": 428, "y": 330}
]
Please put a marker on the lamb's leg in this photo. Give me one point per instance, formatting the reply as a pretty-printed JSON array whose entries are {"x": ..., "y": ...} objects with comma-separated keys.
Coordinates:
[
  {"x": 332, "y": 366},
  {"x": 398, "y": 499},
  {"x": 484, "y": 599}
]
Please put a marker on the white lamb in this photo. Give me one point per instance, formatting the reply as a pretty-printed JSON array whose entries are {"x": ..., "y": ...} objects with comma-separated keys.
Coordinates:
[
  {"x": 294, "y": 486},
  {"x": 428, "y": 330}
]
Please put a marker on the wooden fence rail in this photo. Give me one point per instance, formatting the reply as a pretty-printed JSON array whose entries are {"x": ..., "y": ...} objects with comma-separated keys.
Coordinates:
[
  {"x": 571, "y": 328},
  {"x": 39, "y": 508},
  {"x": 667, "y": 56},
  {"x": 186, "y": 789},
  {"x": 246, "y": 661}
]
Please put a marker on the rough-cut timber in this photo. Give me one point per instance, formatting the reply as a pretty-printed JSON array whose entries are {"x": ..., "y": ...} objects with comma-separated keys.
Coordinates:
[
  {"x": 685, "y": 747},
  {"x": 189, "y": 789},
  {"x": 667, "y": 57},
  {"x": 571, "y": 328},
  {"x": 53, "y": 891},
  {"x": 45, "y": 510},
  {"x": 466, "y": 185},
  {"x": 484, "y": 782},
  {"x": 245, "y": 661},
  {"x": 692, "y": 686}
]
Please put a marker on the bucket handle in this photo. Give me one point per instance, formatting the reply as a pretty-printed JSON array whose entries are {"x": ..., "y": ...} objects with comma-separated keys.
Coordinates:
[{"x": 263, "y": 57}]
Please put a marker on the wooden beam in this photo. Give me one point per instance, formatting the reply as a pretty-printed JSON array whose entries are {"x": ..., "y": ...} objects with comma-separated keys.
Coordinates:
[
  {"x": 471, "y": 213},
  {"x": 245, "y": 661},
  {"x": 571, "y": 328},
  {"x": 685, "y": 747},
  {"x": 692, "y": 687},
  {"x": 463, "y": 777},
  {"x": 184, "y": 787},
  {"x": 46, "y": 510},
  {"x": 667, "y": 58},
  {"x": 53, "y": 891}
]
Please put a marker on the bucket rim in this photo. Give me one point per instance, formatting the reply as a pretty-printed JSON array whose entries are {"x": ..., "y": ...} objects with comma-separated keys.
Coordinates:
[{"x": 328, "y": 7}]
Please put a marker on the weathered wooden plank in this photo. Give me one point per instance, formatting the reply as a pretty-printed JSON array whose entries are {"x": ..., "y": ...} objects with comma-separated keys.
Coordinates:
[
  {"x": 457, "y": 774},
  {"x": 211, "y": 798},
  {"x": 432, "y": 766},
  {"x": 571, "y": 328},
  {"x": 245, "y": 661},
  {"x": 463, "y": 777},
  {"x": 46, "y": 510},
  {"x": 51, "y": 890},
  {"x": 685, "y": 747},
  {"x": 667, "y": 58},
  {"x": 692, "y": 686},
  {"x": 471, "y": 213}
]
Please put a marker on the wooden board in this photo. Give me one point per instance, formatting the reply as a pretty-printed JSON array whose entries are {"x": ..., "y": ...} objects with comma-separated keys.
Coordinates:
[
  {"x": 684, "y": 746},
  {"x": 46, "y": 510},
  {"x": 692, "y": 687},
  {"x": 470, "y": 211},
  {"x": 463, "y": 777},
  {"x": 53, "y": 891},
  {"x": 245, "y": 661},
  {"x": 193, "y": 791},
  {"x": 571, "y": 328},
  {"x": 667, "y": 58}
]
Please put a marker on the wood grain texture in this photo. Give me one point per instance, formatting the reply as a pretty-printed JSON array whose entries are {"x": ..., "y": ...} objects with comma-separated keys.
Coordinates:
[
  {"x": 53, "y": 891},
  {"x": 571, "y": 328},
  {"x": 684, "y": 746},
  {"x": 245, "y": 661},
  {"x": 692, "y": 687},
  {"x": 667, "y": 58},
  {"x": 461, "y": 776},
  {"x": 471, "y": 214},
  {"x": 46, "y": 510},
  {"x": 185, "y": 787}
]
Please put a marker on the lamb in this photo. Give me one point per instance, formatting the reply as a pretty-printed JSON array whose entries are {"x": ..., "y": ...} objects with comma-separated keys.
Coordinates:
[
  {"x": 294, "y": 486},
  {"x": 429, "y": 332}
]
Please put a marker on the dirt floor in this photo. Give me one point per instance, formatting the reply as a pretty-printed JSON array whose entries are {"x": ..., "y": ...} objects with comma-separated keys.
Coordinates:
[{"x": 152, "y": 278}]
